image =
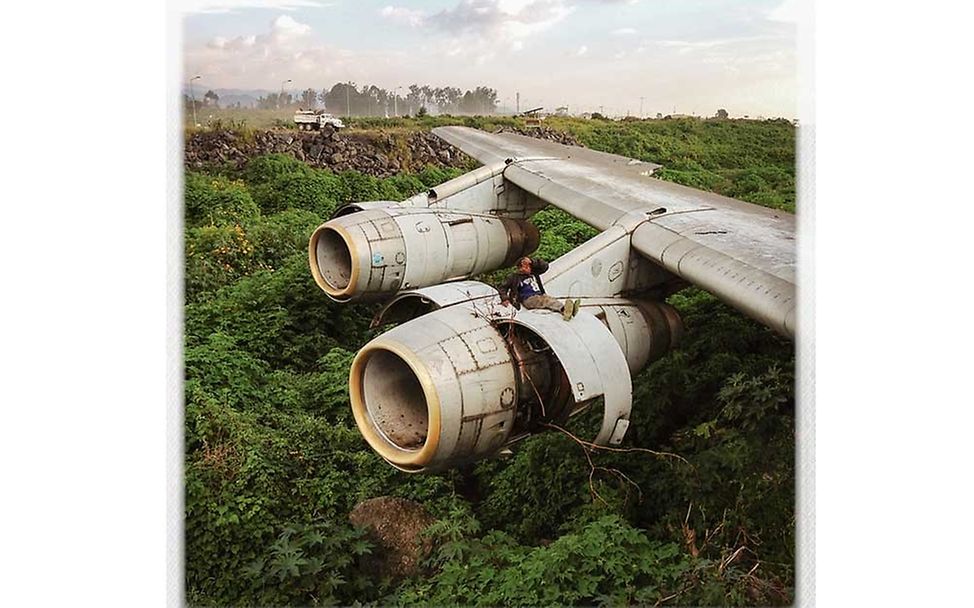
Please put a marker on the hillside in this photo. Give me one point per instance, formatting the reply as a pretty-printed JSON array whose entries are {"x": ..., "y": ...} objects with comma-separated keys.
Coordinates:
[{"x": 274, "y": 466}]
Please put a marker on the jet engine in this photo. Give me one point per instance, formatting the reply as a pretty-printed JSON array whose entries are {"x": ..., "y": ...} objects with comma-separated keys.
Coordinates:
[
  {"x": 461, "y": 382},
  {"x": 377, "y": 251}
]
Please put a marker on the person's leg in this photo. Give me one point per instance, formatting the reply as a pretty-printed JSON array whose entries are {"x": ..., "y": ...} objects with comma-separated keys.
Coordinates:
[
  {"x": 543, "y": 301},
  {"x": 552, "y": 303}
]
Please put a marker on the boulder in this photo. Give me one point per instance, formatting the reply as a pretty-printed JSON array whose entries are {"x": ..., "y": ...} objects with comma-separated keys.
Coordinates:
[{"x": 395, "y": 526}]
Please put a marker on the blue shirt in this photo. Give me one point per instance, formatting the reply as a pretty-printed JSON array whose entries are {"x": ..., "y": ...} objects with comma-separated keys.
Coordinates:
[{"x": 527, "y": 286}]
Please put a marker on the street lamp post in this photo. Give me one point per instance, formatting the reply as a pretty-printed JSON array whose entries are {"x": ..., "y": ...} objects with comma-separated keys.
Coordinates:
[
  {"x": 281, "y": 97},
  {"x": 193, "y": 95}
]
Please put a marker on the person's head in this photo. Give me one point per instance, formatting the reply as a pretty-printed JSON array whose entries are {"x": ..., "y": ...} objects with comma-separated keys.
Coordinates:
[{"x": 524, "y": 265}]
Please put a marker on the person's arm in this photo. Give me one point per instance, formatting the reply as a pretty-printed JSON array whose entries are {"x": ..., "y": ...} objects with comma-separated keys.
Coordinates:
[{"x": 506, "y": 290}]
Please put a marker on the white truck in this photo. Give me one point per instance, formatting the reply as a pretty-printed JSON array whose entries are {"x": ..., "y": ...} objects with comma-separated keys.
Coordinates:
[{"x": 313, "y": 120}]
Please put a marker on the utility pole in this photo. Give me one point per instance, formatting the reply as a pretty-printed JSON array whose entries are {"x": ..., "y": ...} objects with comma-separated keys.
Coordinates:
[
  {"x": 395, "y": 101},
  {"x": 348, "y": 107},
  {"x": 280, "y": 99},
  {"x": 641, "y": 106},
  {"x": 193, "y": 95},
  {"x": 518, "y": 97}
]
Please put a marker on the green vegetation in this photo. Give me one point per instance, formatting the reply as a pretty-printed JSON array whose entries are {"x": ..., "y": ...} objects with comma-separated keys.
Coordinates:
[
  {"x": 274, "y": 463},
  {"x": 750, "y": 160}
]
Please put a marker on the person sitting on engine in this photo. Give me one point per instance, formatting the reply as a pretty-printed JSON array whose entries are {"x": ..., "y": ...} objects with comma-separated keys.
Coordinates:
[{"x": 524, "y": 287}]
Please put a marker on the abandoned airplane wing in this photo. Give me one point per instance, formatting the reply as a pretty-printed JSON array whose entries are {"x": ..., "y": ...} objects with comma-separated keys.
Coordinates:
[{"x": 462, "y": 376}]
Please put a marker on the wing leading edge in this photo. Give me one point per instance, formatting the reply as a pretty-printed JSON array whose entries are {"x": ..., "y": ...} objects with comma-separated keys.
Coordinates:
[{"x": 742, "y": 253}]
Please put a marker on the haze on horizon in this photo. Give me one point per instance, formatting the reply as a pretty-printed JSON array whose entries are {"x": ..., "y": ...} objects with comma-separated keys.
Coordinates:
[{"x": 682, "y": 56}]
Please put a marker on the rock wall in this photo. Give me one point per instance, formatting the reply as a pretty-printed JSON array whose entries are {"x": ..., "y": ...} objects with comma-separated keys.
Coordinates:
[
  {"x": 373, "y": 153},
  {"x": 376, "y": 153}
]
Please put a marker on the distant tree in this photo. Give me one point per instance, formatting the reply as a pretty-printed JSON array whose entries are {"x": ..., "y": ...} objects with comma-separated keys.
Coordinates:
[
  {"x": 211, "y": 99},
  {"x": 374, "y": 98},
  {"x": 269, "y": 101},
  {"x": 309, "y": 98},
  {"x": 659, "y": 116},
  {"x": 468, "y": 103},
  {"x": 486, "y": 99},
  {"x": 597, "y": 116},
  {"x": 721, "y": 113},
  {"x": 422, "y": 111},
  {"x": 340, "y": 97},
  {"x": 447, "y": 99}
]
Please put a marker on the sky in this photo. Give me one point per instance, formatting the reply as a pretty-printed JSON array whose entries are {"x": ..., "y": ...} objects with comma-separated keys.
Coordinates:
[{"x": 636, "y": 57}]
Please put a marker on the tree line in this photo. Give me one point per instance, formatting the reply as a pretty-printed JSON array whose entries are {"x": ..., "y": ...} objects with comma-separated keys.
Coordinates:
[{"x": 349, "y": 99}]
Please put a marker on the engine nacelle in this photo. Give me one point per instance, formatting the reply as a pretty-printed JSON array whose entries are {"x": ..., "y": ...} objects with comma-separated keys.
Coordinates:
[
  {"x": 463, "y": 381},
  {"x": 376, "y": 252}
]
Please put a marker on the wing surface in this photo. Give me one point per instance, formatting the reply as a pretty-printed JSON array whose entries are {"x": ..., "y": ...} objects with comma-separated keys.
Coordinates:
[{"x": 741, "y": 252}]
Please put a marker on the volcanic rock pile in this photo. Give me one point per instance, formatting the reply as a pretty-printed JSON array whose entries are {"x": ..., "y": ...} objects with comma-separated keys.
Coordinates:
[
  {"x": 372, "y": 153},
  {"x": 375, "y": 153}
]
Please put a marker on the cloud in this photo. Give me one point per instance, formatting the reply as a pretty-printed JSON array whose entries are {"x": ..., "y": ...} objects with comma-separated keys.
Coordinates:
[
  {"x": 411, "y": 17},
  {"x": 286, "y": 28},
  {"x": 786, "y": 12},
  {"x": 286, "y": 50},
  {"x": 232, "y": 6},
  {"x": 487, "y": 20},
  {"x": 501, "y": 19},
  {"x": 581, "y": 51},
  {"x": 624, "y": 31},
  {"x": 687, "y": 46},
  {"x": 481, "y": 30}
]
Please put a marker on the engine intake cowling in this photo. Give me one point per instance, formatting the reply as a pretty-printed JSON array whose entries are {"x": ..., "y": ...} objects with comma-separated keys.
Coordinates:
[
  {"x": 376, "y": 252},
  {"x": 435, "y": 391}
]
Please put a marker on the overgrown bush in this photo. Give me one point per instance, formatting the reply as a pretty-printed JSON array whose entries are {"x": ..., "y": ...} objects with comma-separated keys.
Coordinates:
[
  {"x": 216, "y": 201},
  {"x": 606, "y": 562}
]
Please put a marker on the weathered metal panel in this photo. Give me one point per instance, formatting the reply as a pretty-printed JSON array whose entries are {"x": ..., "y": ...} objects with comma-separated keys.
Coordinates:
[
  {"x": 767, "y": 298},
  {"x": 603, "y": 266},
  {"x": 466, "y": 182}
]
